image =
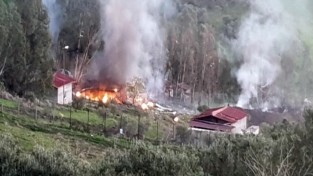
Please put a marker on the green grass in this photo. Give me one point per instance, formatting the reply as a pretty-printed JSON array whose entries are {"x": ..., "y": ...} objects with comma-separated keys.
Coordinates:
[
  {"x": 30, "y": 132},
  {"x": 82, "y": 116},
  {"x": 154, "y": 132},
  {"x": 8, "y": 103},
  {"x": 27, "y": 138}
]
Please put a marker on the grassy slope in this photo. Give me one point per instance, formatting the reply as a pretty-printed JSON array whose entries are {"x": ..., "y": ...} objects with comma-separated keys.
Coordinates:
[{"x": 30, "y": 131}]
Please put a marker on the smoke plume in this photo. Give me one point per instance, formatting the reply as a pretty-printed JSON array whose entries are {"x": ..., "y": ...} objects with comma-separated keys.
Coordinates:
[
  {"x": 270, "y": 30},
  {"x": 54, "y": 13},
  {"x": 134, "y": 41}
]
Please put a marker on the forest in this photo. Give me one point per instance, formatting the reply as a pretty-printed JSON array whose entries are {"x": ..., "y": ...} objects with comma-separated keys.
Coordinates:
[{"x": 197, "y": 48}]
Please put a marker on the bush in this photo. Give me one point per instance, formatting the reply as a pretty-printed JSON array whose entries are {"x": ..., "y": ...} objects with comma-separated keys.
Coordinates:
[
  {"x": 183, "y": 134},
  {"x": 79, "y": 103},
  {"x": 40, "y": 162},
  {"x": 141, "y": 159},
  {"x": 30, "y": 96},
  {"x": 202, "y": 108}
]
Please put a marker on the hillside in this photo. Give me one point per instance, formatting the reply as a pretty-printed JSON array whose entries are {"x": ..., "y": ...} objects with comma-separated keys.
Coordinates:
[
  {"x": 33, "y": 145},
  {"x": 125, "y": 57}
]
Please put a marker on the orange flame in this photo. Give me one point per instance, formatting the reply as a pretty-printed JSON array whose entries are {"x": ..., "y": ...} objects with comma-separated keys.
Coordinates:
[
  {"x": 144, "y": 106},
  {"x": 105, "y": 98},
  {"x": 78, "y": 94}
]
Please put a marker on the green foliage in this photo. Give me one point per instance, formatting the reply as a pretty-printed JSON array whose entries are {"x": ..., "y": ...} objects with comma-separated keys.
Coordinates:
[
  {"x": 25, "y": 47},
  {"x": 183, "y": 134},
  {"x": 202, "y": 108},
  {"x": 40, "y": 162},
  {"x": 142, "y": 159},
  {"x": 79, "y": 103}
]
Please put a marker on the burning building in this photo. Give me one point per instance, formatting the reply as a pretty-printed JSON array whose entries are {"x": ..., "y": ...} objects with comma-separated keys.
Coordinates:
[
  {"x": 94, "y": 90},
  {"x": 107, "y": 91}
]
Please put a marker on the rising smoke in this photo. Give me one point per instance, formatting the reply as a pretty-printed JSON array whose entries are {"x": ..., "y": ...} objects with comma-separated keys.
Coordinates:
[
  {"x": 54, "y": 13},
  {"x": 134, "y": 41},
  {"x": 270, "y": 30}
]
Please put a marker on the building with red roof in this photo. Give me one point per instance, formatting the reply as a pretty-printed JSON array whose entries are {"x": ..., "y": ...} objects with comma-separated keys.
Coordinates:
[
  {"x": 227, "y": 119},
  {"x": 64, "y": 85}
]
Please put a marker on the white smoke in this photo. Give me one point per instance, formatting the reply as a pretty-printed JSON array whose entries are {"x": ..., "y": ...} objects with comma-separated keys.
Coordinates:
[
  {"x": 134, "y": 41},
  {"x": 268, "y": 32},
  {"x": 54, "y": 13}
]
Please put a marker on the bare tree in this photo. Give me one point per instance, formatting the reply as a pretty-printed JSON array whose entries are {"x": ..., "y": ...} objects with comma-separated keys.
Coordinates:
[{"x": 261, "y": 166}]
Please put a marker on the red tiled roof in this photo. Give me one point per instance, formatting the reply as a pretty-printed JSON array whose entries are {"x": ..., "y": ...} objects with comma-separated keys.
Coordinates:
[
  {"x": 218, "y": 127},
  {"x": 60, "y": 79},
  {"x": 227, "y": 113}
]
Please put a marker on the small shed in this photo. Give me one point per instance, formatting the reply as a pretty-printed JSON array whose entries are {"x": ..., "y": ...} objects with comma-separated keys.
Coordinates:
[
  {"x": 64, "y": 85},
  {"x": 226, "y": 119}
]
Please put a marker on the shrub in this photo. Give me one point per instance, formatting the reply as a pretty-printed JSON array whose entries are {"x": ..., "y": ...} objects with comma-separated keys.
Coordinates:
[
  {"x": 40, "y": 162},
  {"x": 30, "y": 96},
  {"x": 183, "y": 134},
  {"x": 202, "y": 108},
  {"x": 141, "y": 159},
  {"x": 79, "y": 103}
]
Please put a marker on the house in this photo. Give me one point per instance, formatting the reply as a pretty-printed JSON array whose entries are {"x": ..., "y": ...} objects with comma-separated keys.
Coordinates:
[
  {"x": 225, "y": 119},
  {"x": 64, "y": 85}
]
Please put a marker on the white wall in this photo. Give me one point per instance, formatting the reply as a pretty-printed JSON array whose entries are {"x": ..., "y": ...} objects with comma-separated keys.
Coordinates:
[
  {"x": 240, "y": 125},
  {"x": 68, "y": 92}
]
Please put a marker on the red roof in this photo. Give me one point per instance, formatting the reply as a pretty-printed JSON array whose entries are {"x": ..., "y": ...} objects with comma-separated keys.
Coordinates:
[
  {"x": 227, "y": 113},
  {"x": 60, "y": 79}
]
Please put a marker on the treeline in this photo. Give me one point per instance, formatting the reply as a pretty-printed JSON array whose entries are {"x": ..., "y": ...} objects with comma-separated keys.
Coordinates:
[
  {"x": 194, "y": 36},
  {"x": 197, "y": 47},
  {"x": 282, "y": 150},
  {"x": 25, "y": 57}
]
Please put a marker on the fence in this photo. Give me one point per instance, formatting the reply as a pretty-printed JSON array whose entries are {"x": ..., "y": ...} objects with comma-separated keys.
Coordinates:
[{"x": 86, "y": 120}]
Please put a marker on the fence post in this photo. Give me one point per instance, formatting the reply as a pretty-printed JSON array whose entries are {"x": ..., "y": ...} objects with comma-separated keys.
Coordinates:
[
  {"x": 52, "y": 113},
  {"x": 18, "y": 108},
  {"x": 138, "y": 126},
  {"x": 88, "y": 118},
  {"x": 36, "y": 111},
  {"x": 71, "y": 116},
  {"x": 105, "y": 121},
  {"x": 157, "y": 130}
]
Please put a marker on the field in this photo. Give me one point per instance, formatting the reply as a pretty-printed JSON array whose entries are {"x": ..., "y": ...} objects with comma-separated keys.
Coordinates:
[{"x": 52, "y": 127}]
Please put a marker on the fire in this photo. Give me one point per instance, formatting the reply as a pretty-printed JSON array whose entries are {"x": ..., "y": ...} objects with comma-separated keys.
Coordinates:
[
  {"x": 144, "y": 106},
  {"x": 78, "y": 94},
  {"x": 150, "y": 104},
  {"x": 105, "y": 98}
]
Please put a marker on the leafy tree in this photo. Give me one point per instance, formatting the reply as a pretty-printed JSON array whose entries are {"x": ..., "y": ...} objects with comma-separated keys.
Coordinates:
[{"x": 29, "y": 63}]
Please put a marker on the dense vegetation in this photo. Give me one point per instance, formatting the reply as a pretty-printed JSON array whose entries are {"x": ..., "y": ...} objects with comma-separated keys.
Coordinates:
[
  {"x": 281, "y": 150},
  {"x": 25, "y": 47},
  {"x": 197, "y": 46}
]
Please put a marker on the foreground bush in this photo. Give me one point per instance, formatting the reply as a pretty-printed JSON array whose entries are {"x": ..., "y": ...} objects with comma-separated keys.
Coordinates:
[
  {"x": 148, "y": 160},
  {"x": 14, "y": 161}
]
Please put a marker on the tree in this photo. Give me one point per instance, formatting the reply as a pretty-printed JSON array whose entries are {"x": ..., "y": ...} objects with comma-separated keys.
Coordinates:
[
  {"x": 135, "y": 87},
  {"x": 31, "y": 64}
]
